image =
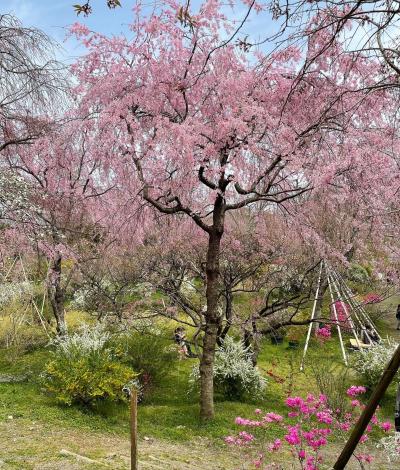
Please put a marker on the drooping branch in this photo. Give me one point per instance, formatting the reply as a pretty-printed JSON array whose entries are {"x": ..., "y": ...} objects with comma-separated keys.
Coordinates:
[{"x": 294, "y": 193}]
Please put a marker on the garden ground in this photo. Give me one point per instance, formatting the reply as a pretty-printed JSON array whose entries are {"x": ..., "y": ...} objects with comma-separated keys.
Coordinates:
[
  {"x": 34, "y": 445},
  {"x": 36, "y": 433}
]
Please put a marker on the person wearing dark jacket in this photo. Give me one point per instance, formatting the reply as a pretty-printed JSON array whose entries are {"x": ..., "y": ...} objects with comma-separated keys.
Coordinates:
[{"x": 398, "y": 317}]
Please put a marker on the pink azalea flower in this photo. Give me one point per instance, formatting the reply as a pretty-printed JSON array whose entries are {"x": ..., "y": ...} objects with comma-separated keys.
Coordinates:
[
  {"x": 272, "y": 418},
  {"x": 355, "y": 390},
  {"x": 324, "y": 417},
  {"x": 294, "y": 402},
  {"x": 276, "y": 445},
  {"x": 293, "y": 437},
  {"x": 246, "y": 437},
  {"x": 302, "y": 454},
  {"x": 386, "y": 426}
]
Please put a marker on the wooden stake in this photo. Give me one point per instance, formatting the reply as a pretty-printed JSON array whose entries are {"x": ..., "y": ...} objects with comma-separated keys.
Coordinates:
[
  {"x": 369, "y": 410},
  {"x": 134, "y": 456}
]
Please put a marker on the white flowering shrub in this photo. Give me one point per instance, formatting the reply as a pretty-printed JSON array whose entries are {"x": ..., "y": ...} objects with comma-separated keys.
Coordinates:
[
  {"x": 14, "y": 192},
  {"x": 187, "y": 287},
  {"x": 88, "y": 296},
  {"x": 84, "y": 369},
  {"x": 108, "y": 297},
  {"x": 391, "y": 447},
  {"x": 12, "y": 291},
  {"x": 234, "y": 373},
  {"x": 80, "y": 298},
  {"x": 371, "y": 362},
  {"x": 143, "y": 289},
  {"x": 87, "y": 340}
]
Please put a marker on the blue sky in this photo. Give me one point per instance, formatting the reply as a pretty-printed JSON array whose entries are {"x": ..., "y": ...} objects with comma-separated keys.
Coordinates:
[{"x": 54, "y": 17}]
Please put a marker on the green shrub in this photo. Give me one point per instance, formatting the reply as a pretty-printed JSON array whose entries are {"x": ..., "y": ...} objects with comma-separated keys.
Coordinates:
[
  {"x": 84, "y": 370},
  {"x": 358, "y": 273},
  {"x": 332, "y": 381},
  {"x": 21, "y": 338},
  {"x": 235, "y": 377},
  {"x": 85, "y": 380},
  {"x": 149, "y": 352}
]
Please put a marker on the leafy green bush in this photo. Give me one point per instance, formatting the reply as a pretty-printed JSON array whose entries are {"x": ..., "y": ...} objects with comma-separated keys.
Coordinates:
[
  {"x": 332, "y": 381},
  {"x": 358, "y": 273},
  {"x": 20, "y": 338},
  {"x": 25, "y": 337},
  {"x": 150, "y": 352},
  {"x": 84, "y": 370},
  {"x": 234, "y": 374}
]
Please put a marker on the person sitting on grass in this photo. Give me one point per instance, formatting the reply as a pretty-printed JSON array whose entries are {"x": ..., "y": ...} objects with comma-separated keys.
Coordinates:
[
  {"x": 369, "y": 336},
  {"x": 180, "y": 339}
]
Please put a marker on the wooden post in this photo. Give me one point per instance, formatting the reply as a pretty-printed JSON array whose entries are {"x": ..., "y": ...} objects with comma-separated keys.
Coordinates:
[
  {"x": 134, "y": 456},
  {"x": 369, "y": 410}
]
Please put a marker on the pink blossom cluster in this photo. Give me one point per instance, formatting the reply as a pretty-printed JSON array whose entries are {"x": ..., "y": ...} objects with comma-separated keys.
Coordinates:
[
  {"x": 372, "y": 299},
  {"x": 243, "y": 439},
  {"x": 306, "y": 430},
  {"x": 323, "y": 333},
  {"x": 342, "y": 312},
  {"x": 268, "y": 418},
  {"x": 355, "y": 390}
]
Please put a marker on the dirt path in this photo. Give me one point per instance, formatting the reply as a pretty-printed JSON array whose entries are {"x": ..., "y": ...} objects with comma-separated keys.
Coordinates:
[
  {"x": 34, "y": 446},
  {"x": 28, "y": 445}
]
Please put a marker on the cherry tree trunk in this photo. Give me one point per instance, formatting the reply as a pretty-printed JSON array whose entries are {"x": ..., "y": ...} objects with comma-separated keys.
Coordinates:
[
  {"x": 212, "y": 323},
  {"x": 224, "y": 330},
  {"x": 56, "y": 293}
]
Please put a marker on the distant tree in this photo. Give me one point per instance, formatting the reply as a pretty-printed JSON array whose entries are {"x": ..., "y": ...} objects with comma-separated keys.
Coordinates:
[
  {"x": 368, "y": 28},
  {"x": 31, "y": 82},
  {"x": 274, "y": 274}
]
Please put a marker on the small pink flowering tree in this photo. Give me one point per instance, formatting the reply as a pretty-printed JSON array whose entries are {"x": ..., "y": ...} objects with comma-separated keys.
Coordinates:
[
  {"x": 59, "y": 214},
  {"x": 304, "y": 432}
]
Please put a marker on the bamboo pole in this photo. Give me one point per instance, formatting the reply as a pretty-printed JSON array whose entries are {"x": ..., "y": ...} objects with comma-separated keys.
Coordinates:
[
  {"x": 369, "y": 411},
  {"x": 312, "y": 317},
  {"x": 357, "y": 305},
  {"x": 337, "y": 320},
  {"x": 347, "y": 313}
]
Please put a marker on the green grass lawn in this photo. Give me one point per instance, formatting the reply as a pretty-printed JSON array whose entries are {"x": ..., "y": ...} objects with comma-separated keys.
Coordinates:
[{"x": 170, "y": 411}]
